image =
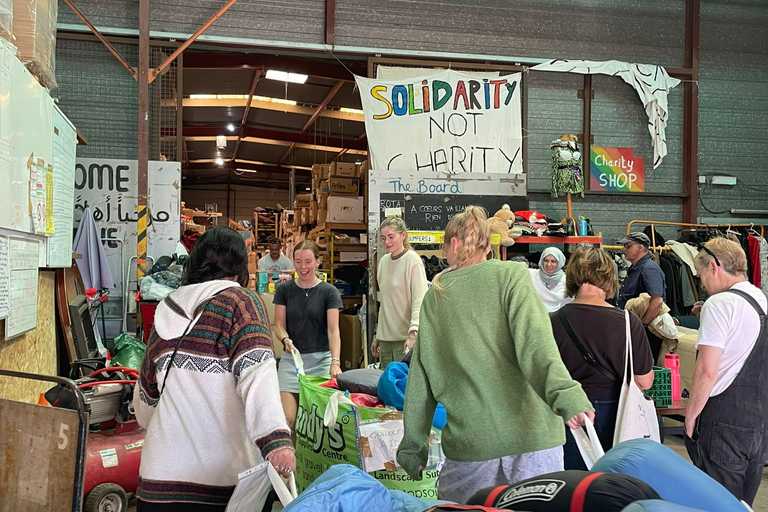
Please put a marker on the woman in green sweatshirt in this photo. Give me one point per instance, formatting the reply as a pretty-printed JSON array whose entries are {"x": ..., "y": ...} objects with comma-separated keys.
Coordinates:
[{"x": 486, "y": 351}]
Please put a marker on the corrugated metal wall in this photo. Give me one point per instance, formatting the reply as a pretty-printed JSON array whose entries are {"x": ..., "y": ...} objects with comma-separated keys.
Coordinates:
[
  {"x": 733, "y": 112},
  {"x": 733, "y": 92},
  {"x": 99, "y": 97},
  {"x": 279, "y": 20}
]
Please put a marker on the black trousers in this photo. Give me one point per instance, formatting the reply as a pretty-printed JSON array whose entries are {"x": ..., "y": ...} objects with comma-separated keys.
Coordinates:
[
  {"x": 143, "y": 506},
  {"x": 733, "y": 455}
]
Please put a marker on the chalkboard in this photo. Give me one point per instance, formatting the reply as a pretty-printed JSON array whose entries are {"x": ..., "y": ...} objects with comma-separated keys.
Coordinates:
[{"x": 431, "y": 212}]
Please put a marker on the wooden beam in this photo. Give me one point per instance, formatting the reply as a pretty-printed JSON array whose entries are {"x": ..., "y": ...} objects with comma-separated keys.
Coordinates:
[
  {"x": 142, "y": 203},
  {"x": 264, "y": 105},
  {"x": 186, "y": 44},
  {"x": 319, "y": 110},
  {"x": 330, "y": 22},
  {"x": 280, "y": 142},
  {"x": 209, "y": 132},
  {"x": 244, "y": 121},
  {"x": 116, "y": 54},
  {"x": 312, "y": 67},
  {"x": 245, "y": 163},
  {"x": 691, "y": 112}
]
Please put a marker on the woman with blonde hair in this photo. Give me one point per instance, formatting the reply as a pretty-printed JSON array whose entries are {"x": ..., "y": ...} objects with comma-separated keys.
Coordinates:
[
  {"x": 402, "y": 283},
  {"x": 486, "y": 351},
  {"x": 591, "y": 336},
  {"x": 307, "y": 320}
]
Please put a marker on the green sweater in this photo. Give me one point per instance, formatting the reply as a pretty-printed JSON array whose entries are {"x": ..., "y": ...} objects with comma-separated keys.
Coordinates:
[{"x": 485, "y": 350}]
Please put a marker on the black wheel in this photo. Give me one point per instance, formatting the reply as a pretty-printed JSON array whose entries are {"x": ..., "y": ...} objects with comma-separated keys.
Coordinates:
[{"x": 106, "y": 498}]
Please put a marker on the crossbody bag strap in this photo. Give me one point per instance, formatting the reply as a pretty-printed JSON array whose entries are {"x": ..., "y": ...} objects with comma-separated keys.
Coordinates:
[
  {"x": 588, "y": 356},
  {"x": 195, "y": 316}
]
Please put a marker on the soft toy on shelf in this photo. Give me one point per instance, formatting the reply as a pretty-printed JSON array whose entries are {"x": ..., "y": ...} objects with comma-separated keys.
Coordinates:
[
  {"x": 501, "y": 223},
  {"x": 567, "y": 176}
]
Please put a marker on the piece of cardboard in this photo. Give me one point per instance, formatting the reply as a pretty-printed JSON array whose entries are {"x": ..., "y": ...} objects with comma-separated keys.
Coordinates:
[
  {"x": 346, "y": 210},
  {"x": 335, "y": 185},
  {"x": 343, "y": 169},
  {"x": 351, "y": 341}
]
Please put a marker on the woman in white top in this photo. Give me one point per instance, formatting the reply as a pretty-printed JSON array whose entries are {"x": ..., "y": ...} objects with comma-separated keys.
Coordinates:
[
  {"x": 402, "y": 283},
  {"x": 549, "y": 279}
]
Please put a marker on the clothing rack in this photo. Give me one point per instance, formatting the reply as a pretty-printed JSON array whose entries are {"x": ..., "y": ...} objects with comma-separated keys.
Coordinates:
[{"x": 654, "y": 223}]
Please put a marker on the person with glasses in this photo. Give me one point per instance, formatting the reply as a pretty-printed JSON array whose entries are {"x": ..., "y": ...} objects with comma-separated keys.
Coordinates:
[
  {"x": 725, "y": 419},
  {"x": 644, "y": 276}
]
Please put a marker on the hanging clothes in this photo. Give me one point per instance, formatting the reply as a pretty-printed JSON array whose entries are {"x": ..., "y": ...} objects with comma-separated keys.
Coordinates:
[
  {"x": 685, "y": 252},
  {"x": 764, "y": 264},
  {"x": 753, "y": 257}
]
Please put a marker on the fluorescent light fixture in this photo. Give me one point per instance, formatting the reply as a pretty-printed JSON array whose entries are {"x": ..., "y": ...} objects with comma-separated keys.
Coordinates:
[
  {"x": 252, "y": 171},
  {"x": 351, "y": 110},
  {"x": 308, "y": 189},
  {"x": 284, "y": 76},
  {"x": 274, "y": 100},
  {"x": 231, "y": 127},
  {"x": 219, "y": 161}
]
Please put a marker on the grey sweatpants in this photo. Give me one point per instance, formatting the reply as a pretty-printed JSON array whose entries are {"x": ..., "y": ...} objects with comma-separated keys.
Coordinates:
[{"x": 460, "y": 480}]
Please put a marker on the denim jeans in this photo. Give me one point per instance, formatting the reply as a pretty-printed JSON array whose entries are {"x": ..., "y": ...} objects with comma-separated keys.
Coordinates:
[{"x": 605, "y": 424}]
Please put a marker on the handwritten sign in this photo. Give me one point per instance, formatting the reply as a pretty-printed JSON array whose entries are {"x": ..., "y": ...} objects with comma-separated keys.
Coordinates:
[
  {"x": 110, "y": 188},
  {"x": 446, "y": 122},
  {"x": 616, "y": 170}
]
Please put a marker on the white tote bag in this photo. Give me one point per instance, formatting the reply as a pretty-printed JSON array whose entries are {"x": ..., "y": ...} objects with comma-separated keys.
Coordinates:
[
  {"x": 589, "y": 444},
  {"x": 636, "y": 417},
  {"x": 254, "y": 485}
]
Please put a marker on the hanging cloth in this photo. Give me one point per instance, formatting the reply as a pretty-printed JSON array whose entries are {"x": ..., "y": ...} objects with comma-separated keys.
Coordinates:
[
  {"x": 764, "y": 265},
  {"x": 753, "y": 256},
  {"x": 651, "y": 82},
  {"x": 89, "y": 255}
]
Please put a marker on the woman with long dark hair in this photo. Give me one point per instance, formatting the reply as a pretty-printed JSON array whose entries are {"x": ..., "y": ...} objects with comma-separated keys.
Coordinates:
[{"x": 208, "y": 393}]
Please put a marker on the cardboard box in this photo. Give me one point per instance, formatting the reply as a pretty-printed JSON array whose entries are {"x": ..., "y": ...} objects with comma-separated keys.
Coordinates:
[
  {"x": 343, "y": 169},
  {"x": 351, "y": 342},
  {"x": 322, "y": 216},
  {"x": 303, "y": 200},
  {"x": 340, "y": 186},
  {"x": 252, "y": 263},
  {"x": 322, "y": 201},
  {"x": 348, "y": 210},
  {"x": 321, "y": 171},
  {"x": 352, "y": 256}
]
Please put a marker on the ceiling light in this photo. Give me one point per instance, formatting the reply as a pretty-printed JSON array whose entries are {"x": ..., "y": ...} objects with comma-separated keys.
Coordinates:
[
  {"x": 308, "y": 189},
  {"x": 221, "y": 141},
  {"x": 241, "y": 169},
  {"x": 351, "y": 110},
  {"x": 219, "y": 161},
  {"x": 274, "y": 100},
  {"x": 283, "y": 76},
  {"x": 231, "y": 127}
]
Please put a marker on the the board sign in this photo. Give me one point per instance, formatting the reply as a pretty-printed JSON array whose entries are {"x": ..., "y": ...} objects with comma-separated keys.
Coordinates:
[
  {"x": 616, "y": 170},
  {"x": 428, "y": 201},
  {"x": 448, "y": 122},
  {"x": 431, "y": 212}
]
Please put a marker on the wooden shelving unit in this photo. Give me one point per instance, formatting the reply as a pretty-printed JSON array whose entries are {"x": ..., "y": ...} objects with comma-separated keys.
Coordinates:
[{"x": 266, "y": 226}]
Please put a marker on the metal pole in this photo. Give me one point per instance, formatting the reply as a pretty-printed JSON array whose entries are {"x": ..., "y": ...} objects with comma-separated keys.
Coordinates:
[
  {"x": 143, "y": 138},
  {"x": 180, "y": 108},
  {"x": 291, "y": 187}
]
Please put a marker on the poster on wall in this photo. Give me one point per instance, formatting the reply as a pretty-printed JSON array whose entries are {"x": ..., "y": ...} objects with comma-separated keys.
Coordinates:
[
  {"x": 616, "y": 170},
  {"x": 446, "y": 122},
  {"x": 110, "y": 188}
]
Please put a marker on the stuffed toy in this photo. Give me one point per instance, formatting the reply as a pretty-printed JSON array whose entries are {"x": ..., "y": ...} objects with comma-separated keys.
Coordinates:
[
  {"x": 501, "y": 223},
  {"x": 567, "y": 176}
]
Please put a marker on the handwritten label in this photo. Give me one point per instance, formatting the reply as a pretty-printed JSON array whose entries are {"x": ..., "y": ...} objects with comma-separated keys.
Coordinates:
[{"x": 616, "y": 170}]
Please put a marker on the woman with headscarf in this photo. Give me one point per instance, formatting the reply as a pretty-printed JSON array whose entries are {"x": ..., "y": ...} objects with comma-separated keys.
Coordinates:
[{"x": 549, "y": 279}]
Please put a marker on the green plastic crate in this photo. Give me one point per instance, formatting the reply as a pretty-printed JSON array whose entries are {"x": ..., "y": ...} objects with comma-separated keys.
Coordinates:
[{"x": 661, "y": 390}]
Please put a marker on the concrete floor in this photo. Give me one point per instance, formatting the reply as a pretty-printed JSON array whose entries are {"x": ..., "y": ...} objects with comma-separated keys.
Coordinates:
[{"x": 674, "y": 442}]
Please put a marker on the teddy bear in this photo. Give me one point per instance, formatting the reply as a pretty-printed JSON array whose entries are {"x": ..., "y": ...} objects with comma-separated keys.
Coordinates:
[{"x": 501, "y": 223}]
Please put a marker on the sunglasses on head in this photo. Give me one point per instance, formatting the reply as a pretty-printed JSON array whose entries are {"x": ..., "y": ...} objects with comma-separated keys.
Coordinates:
[{"x": 703, "y": 248}]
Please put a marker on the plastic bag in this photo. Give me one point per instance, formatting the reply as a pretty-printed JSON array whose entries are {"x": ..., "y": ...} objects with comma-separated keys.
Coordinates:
[
  {"x": 253, "y": 488},
  {"x": 391, "y": 391},
  {"x": 152, "y": 290},
  {"x": 589, "y": 444},
  {"x": 129, "y": 351}
]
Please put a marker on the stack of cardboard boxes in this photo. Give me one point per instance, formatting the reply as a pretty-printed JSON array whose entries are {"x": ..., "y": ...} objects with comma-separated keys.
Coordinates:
[{"x": 336, "y": 197}]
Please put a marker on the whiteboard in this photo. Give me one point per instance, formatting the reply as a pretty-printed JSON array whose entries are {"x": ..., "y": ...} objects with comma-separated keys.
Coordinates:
[
  {"x": 26, "y": 117},
  {"x": 24, "y": 259},
  {"x": 59, "y": 245}
]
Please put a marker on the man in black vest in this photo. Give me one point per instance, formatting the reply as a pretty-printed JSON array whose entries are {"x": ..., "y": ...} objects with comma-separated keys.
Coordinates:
[{"x": 726, "y": 420}]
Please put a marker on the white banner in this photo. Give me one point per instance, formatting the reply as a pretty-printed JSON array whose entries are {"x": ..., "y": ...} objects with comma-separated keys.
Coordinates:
[
  {"x": 446, "y": 122},
  {"x": 110, "y": 188}
]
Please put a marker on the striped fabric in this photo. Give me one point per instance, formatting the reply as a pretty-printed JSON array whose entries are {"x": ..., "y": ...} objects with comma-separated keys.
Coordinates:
[{"x": 232, "y": 337}]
